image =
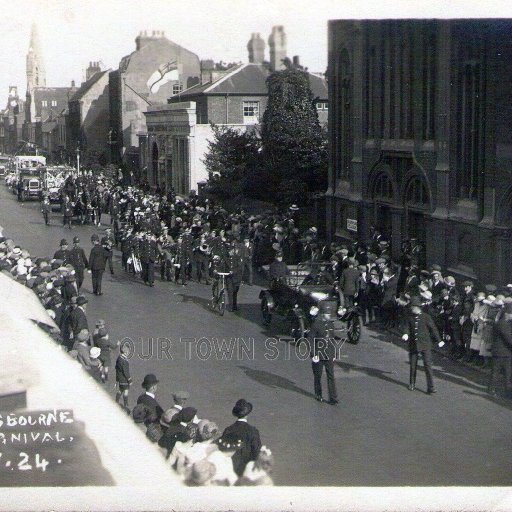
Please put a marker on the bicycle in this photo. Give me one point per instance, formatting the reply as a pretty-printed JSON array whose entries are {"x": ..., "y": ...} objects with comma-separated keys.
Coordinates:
[{"x": 218, "y": 302}]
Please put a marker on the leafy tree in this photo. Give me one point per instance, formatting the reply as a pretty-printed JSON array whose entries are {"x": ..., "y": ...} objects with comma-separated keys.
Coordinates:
[
  {"x": 230, "y": 158},
  {"x": 294, "y": 155}
]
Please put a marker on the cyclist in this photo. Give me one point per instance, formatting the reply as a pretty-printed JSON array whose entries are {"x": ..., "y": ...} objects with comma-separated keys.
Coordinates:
[{"x": 218, "y": 265}]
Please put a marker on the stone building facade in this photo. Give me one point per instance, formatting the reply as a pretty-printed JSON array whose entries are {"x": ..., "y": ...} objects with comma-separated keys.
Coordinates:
[
  {"x": 420, "y": 142},
  {"x": 89, "y": 117},
  {"x": 176, "y": 142},
  {"x": 157, "y": 70}
]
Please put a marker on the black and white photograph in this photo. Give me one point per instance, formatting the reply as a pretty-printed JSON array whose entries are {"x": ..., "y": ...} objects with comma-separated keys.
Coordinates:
[{"x": 255, "y": 244}]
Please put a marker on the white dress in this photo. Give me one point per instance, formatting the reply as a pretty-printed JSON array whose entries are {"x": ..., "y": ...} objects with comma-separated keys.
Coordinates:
[
  {"x": 224, "y": 468},
  {"x": 479, "y": 312}
]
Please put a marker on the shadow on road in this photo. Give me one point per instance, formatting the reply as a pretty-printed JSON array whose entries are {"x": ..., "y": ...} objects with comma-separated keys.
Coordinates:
[
  {"x": 272, "y": 380},
  {"x": 498, "y": 400},
  {"x": 194, "y": 299},
  {"x": 372, "y": 372}
]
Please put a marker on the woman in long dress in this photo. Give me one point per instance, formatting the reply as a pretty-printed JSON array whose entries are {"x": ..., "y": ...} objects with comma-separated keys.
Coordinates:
[
  {"x": 477, "y": 317},
  {"x": 487, "y": 331}
]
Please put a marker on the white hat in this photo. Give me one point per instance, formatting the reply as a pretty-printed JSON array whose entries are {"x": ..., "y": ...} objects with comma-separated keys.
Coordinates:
[
  {"x": 313, "y": 311},
  {"x": 95, "y": 352}
]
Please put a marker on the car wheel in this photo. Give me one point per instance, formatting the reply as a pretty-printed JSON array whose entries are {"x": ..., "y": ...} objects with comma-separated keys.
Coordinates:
[
  {"x": 354, "y": 329},
  {"x": 265, "y": 311}
]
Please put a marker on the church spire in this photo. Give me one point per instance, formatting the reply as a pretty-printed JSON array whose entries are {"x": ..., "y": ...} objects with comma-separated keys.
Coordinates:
[{"x": 36, "y": 73}]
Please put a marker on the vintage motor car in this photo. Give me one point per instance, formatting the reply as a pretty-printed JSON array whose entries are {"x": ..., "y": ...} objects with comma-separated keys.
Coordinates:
[{"x": 306, "y": 286}]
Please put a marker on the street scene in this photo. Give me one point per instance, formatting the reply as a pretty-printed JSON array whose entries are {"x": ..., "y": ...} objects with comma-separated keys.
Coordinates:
[{"x": 269, "y": 271}]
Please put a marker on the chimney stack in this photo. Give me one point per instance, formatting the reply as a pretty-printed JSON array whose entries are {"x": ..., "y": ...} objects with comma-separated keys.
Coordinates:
[
  {"x": 277, "y": 45},
  {"x": 94, "y": 67},
  {"x": 256, "y": 48}
]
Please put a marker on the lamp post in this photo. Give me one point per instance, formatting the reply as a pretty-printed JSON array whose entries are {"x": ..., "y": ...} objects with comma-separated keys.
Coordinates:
[{"x": 78, "y": 160}]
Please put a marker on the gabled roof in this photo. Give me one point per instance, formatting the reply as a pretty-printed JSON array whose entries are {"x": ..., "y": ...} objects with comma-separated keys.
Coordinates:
[
  {"x": 84, "y": 88},
  {"x": 247, "y": 79},
  {"x": 59, "y": 94}
]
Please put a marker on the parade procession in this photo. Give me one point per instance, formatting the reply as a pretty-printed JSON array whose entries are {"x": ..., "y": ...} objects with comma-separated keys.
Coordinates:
[{"x": 187, "y": 243}]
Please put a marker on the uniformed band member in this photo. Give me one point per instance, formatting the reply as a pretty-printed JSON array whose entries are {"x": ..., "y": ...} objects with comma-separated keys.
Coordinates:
[
  {"x": 420, "y": 331},
  {"x": 108, "y": 242},
  {"x": 148, "y": 257},
  {"x": 323, "y": 350}
]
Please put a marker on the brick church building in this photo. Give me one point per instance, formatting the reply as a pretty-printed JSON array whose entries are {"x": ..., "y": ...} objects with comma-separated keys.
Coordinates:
[{"x": 421, "y": 146}]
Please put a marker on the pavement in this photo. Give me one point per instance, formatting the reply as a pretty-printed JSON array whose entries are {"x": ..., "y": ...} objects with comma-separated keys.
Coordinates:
[{"x": 381, "y": 434}]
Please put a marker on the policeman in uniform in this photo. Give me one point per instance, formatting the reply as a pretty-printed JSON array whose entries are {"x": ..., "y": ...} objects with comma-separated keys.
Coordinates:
[
  {"x": 63, "y": 252},
  {"x": 78, "y": 259},
  {"x": 420, "y": 331},
  {"x": 323, "y": 350}
]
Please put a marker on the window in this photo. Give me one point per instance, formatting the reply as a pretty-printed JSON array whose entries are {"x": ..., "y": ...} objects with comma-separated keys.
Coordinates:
[
  {"x": 251, "y": 111},
  {"x": 383, "y": 188},
  {"x": 44, "y": 103},
  {"x": 54, "y": 103},
  {"x": 177, "y": 88},
  {"x": 416, "y": 193},
  {"x": 322, "y": 105}
]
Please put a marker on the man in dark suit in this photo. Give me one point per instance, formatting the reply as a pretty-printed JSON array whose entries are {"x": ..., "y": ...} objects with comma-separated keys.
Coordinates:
[
  {"x": 501, "y": 349},
  {"x": 78, "y": 317},
  {"x": 349, "y": 283},
  {"x": 249, "y": 435},
  {"x": 150, "y": 384},
  {"x": 67, "y": 209},
  {"x": 63, "y": 252},
  {"x": 97, "y": 262},
  {"x": 389, "y": 292},
  {"x": 234, "y": 280},
  {"x": 78, "y": 259},
  {"x": 323, "y": 350},
  {"x": 420, "y": 331}
]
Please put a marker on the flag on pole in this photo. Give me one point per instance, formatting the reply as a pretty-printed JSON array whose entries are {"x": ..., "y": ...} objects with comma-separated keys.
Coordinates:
[{"x": 165, "y": 73}]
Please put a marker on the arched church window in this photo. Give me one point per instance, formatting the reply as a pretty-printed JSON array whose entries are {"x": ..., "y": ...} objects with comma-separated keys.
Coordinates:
[
  {"x": 383, "y": 188},
  {"x": 416, "y": 193}
]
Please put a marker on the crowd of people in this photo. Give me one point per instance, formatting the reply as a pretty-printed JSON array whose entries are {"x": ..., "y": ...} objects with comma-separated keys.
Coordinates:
[{"x": 191, "y": 238}]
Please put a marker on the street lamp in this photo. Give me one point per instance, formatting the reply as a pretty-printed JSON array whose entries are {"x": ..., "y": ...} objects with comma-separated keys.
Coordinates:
[{"x": 78, "y": 159}]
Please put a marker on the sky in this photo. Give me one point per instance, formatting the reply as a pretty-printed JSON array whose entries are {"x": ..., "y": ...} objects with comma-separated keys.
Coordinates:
[{"x": 74, "y": 32}]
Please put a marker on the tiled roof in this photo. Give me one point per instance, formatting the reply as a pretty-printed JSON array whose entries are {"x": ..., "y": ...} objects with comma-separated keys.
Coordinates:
[
  {"x": 247, "y": 79},
  {"x": 87, "y": 85},
  {"x": 59, "y": 94}
]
